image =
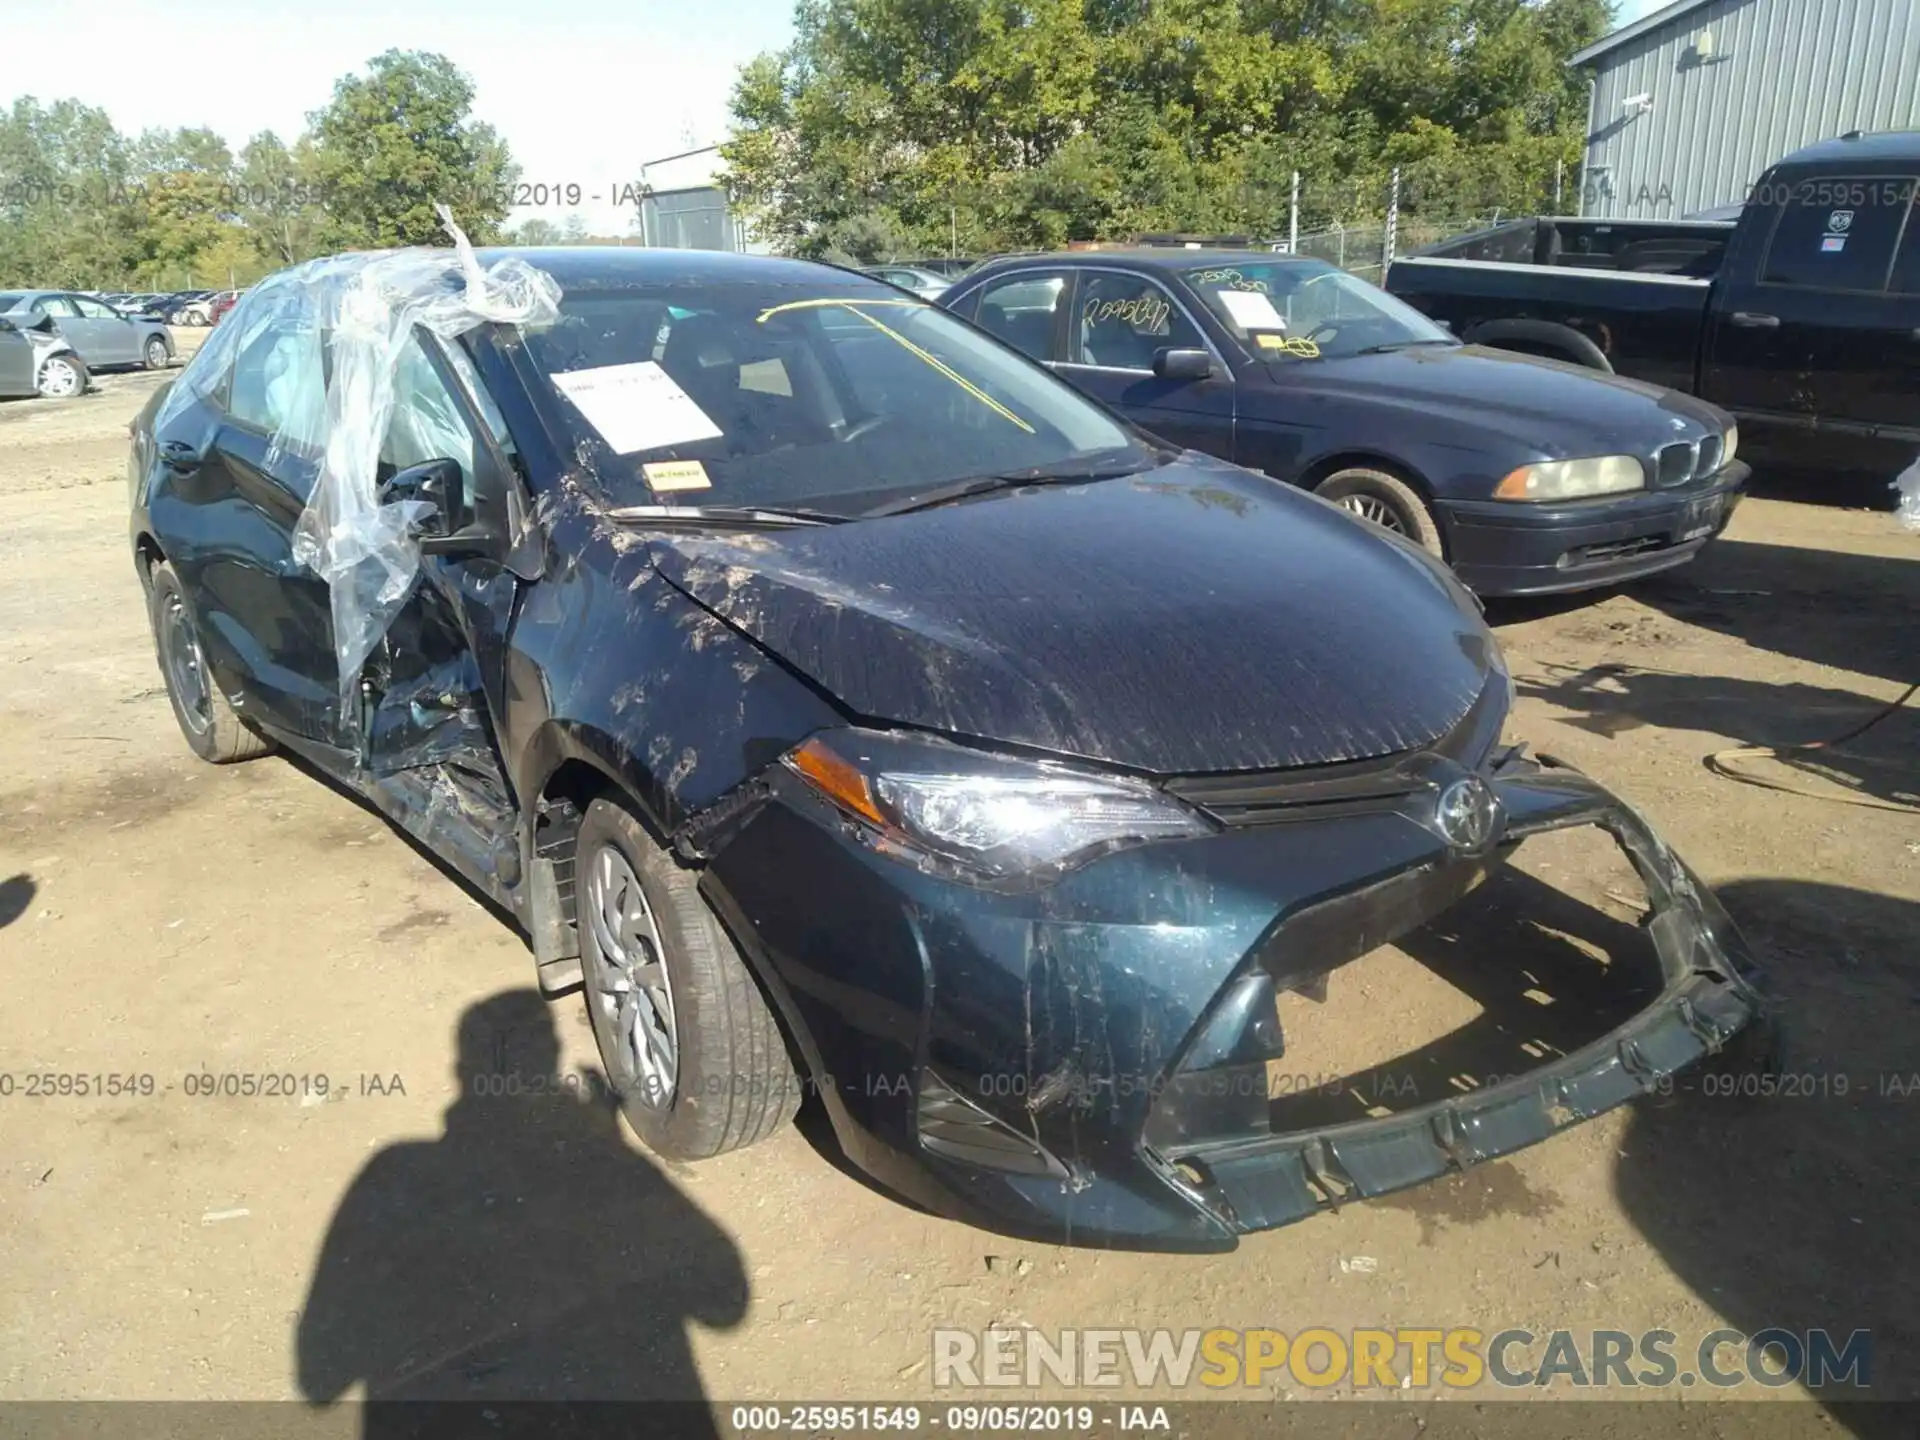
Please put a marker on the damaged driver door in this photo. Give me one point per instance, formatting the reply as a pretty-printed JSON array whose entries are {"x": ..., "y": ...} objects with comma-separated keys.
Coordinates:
[{"x": 430, "y": 689}]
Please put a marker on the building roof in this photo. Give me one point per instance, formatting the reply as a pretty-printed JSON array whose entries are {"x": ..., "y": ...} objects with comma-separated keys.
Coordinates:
[{"x": 1634, "y": 31}]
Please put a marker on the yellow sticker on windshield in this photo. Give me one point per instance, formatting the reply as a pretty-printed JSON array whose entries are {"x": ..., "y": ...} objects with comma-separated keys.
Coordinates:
[
  {"x": 1297, "y": 346},
  {"x": 677, "y": 475}
]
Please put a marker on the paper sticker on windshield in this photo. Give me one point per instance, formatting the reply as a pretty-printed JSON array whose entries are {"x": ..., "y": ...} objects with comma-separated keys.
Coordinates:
[
  {"x": 1250, "y": 310},
  {"x": 1298, "y": 346},
  {"x": 636, "y": 407},
  {"x": 676, "y": 475}
]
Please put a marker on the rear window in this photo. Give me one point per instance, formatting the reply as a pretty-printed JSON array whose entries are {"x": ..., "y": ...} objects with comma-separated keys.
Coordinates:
[
  {"x": 10, "y": 300},
  {"x": 1839, "y": 234}
]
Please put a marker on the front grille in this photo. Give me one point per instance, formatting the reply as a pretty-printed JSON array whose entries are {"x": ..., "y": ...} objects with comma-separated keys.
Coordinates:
[
  {"x": 1675, "y": 464},
  {"x": 1266, "y": 797},
  {"x": 1709, "y": 455},
  {"x": 1613, "y": 550}
]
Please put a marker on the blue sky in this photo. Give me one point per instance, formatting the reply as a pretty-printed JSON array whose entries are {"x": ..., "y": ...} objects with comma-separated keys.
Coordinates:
[{"x": 584, "y": 90}]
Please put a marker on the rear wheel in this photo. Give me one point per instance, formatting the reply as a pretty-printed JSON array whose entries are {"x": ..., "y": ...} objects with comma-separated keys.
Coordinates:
[
  {"x": 687, "y": 1039},
  {"x": 213, "y": 730},
  {"x": 1387, "y": 501},
  {"x": 62, "y": 377}
]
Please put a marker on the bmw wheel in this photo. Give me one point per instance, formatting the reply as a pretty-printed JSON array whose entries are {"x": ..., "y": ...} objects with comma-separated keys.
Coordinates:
[
  {"x": 1384, "y": 500},
  {"x": 688, "y": 1041}
]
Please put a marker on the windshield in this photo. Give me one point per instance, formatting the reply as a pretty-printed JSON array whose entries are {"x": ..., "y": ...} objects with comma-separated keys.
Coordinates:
[
  {"x": 777, "y": 395},
  {"x": 11, "y": 300},
  {"x": 1307, "y": 310}
]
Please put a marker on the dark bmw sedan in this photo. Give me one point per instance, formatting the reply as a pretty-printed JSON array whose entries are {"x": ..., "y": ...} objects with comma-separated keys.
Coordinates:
[
  {"x": 1528, "y": 476},
  {"x": 852, "y": 710}
]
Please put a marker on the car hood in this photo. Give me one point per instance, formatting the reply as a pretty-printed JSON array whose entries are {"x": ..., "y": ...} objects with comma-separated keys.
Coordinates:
[
  {"x": 1558, "y": 409},
  {"x": 1194, "y": 618}
]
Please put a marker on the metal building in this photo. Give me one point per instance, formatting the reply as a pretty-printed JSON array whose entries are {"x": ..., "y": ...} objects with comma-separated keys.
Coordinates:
[
  {"x": 1693, "y": 102},
  {"x": 683, "y": 205}
]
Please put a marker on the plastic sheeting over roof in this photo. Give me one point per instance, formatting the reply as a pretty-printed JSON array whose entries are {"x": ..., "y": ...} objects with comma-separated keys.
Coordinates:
[{"x": 348, "y": 319}]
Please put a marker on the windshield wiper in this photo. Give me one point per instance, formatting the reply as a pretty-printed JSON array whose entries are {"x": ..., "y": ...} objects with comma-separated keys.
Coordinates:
[
  {"x": 1006, "y": 480},
  {"x": 1393, "y": 345},
  {"x": 774, "y": 516}
]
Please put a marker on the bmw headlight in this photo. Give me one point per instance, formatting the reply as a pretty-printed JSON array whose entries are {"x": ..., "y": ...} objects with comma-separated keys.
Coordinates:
[
  {"x": 1730, "y": 446},
  {"x": 989, "y": 814},
  {"x": 1573, "y": 479}
]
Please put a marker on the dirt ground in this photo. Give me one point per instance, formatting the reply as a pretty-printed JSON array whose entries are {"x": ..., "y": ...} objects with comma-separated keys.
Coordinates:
[{"x": 162, "y": 918}]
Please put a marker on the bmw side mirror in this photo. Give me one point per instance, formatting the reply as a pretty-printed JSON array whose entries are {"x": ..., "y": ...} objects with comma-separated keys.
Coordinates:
[
  {"x": 447, "y": 526},
  {"x": 1182, "y": 364}
]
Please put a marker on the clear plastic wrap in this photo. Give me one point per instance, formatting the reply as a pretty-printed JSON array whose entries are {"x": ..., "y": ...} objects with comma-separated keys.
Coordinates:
[
  {"x": 349, "y": 318},
  {"x": 1909, "y": 487}
]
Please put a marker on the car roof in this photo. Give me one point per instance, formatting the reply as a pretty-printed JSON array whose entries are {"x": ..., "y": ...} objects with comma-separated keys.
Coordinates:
[
  {"x": 619, "y": 267},
  {"x": 1857, "y": 145},
  {"x": 1144, "y": 258}
]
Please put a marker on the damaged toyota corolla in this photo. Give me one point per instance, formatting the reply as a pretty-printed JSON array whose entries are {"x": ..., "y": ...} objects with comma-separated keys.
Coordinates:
[{"x": 851, "y": 709}]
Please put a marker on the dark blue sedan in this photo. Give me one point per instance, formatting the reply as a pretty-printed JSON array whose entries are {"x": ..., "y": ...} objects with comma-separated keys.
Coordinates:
[{"x": 1527, "y": 475}]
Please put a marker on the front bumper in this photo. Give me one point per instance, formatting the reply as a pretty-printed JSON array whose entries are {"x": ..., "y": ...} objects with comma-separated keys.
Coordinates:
[
  {"x": 1096, "y": 1034},
  {"x": 1503, "y": 548}
]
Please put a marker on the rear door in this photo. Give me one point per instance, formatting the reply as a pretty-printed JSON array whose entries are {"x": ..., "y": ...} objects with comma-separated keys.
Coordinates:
[
  {"x": 111, "y": 333},
  {"x": 1810, "y": 327},
  {"x": 1119, "y": 320}
]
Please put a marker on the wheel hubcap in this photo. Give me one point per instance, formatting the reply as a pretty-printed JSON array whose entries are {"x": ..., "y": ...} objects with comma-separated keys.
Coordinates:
[
  {"x": 59, "y": 378},
  {"x": 186, "y": 672},
  {"x": 1372, "y": 507},
  {"x": 628, "y": 988},
  {"x": 156, "y": 354}
]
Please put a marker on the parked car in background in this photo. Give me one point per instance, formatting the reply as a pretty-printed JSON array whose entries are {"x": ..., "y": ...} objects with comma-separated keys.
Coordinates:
[
  {"x": 101, "y": 335},
  {"x": 917, "y": 278},
  {"x": 191, "y": 307},
  {"x": 1529, "y": 477},
  {"x": 141, "y": 307},
  {"x": 1802, "y": 318},
  {"x": 832, "y": 692},
  {"x": 221, "y": 302},
  {"x": 950, "y": 267},
  {"x": 36, "y": 359}
]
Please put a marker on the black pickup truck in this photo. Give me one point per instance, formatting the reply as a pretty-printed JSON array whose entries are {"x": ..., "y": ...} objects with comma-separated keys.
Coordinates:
[{"x": 1802, "y": 317}]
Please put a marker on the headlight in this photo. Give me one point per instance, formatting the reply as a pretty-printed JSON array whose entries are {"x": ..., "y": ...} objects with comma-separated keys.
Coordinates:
[
  {"x": 1573, "y": 479},
  {"x": 1730, "y": 446},
  {"x": 990, "y": 814}
]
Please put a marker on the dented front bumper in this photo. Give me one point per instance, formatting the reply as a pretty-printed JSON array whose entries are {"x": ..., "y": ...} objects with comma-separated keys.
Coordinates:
[{"x": 1079, "y": 1063}]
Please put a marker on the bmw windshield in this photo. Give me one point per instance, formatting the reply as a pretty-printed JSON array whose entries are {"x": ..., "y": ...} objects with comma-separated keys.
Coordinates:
[
  {"x": 1307, "y": 310},
  {"x": 836, "y": 401}
]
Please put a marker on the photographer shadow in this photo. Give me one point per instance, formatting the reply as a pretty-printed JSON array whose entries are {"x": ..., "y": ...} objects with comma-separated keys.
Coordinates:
[{"x": 526, "y": 1254}]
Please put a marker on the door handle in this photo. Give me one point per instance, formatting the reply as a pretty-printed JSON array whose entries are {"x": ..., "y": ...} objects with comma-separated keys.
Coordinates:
[
  {"x": 179, "y": 457},
  {"x": 1754, "y": 320}
]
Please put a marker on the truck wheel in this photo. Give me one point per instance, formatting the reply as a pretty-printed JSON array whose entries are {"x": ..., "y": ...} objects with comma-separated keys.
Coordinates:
[
  {"x": 62, "y": 377},
  {"x": 1387, "y": 501},
  {"x": 214, "y": 731},
  {"x": 687, "y": 1039}
]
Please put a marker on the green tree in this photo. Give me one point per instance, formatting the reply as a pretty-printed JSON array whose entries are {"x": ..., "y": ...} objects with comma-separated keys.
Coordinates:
[
  {"x": 278, "y": 198},
  {"x": 399, "y": 139}
]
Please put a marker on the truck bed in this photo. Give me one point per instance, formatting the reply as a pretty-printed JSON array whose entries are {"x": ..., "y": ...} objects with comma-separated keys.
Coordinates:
[{"x": 1636, "y": 290}]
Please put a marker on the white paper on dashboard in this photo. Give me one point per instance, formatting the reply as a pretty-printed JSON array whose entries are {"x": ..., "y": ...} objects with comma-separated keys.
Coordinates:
[
  {"x": 1250, "y": 310},
  {"x": 636, "y": 407}
]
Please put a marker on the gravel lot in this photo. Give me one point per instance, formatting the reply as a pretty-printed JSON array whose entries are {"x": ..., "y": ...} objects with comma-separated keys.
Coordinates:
[{"x": 163, "y": 918}]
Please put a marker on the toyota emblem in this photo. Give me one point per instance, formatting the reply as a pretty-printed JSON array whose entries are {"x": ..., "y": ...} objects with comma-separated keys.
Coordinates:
[{"x": 1468, "y": 814}]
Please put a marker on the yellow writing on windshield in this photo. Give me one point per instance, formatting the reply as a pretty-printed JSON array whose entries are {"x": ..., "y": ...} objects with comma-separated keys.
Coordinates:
[{"x": 1298, "y": 346}]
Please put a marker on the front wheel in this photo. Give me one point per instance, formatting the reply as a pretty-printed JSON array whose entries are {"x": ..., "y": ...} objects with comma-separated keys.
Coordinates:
[
  {"x": 62, "y": 377},
  {"x": 687, "y": 1039},
  {"x": 155, "y": 353},
  {"x": 1387, "y": 501}
]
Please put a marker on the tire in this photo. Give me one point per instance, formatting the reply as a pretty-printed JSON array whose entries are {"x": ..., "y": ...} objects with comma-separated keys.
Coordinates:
[
  {"x": 155, "y": 353},
  {"x": 656, "y": 963},
  {"x": 212, "y": 729},
  {"x": 1388, "y": 502},
  {"x": 62, "y": 377}
]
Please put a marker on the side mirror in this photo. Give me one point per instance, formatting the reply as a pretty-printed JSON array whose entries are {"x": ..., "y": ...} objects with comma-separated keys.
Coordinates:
[
  {"x": 446, "y": 524},
  {"x": 1182, "y": 364},
  {"x": 7, "y": 326}
]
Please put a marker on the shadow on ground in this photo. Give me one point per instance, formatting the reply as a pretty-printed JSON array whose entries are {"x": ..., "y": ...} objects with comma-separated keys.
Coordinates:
[
  {"x": 16, "y": 894},
  {"x": 527, "y": 1253},
  {"x": 1799, "y": 1211}
]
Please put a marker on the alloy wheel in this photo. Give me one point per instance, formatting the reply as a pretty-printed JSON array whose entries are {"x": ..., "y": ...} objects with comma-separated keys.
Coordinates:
[
  {"x": 1372, "y": 507},
  {"x": 186, "y": 668},
  {"x": 629, "y": 991}
]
